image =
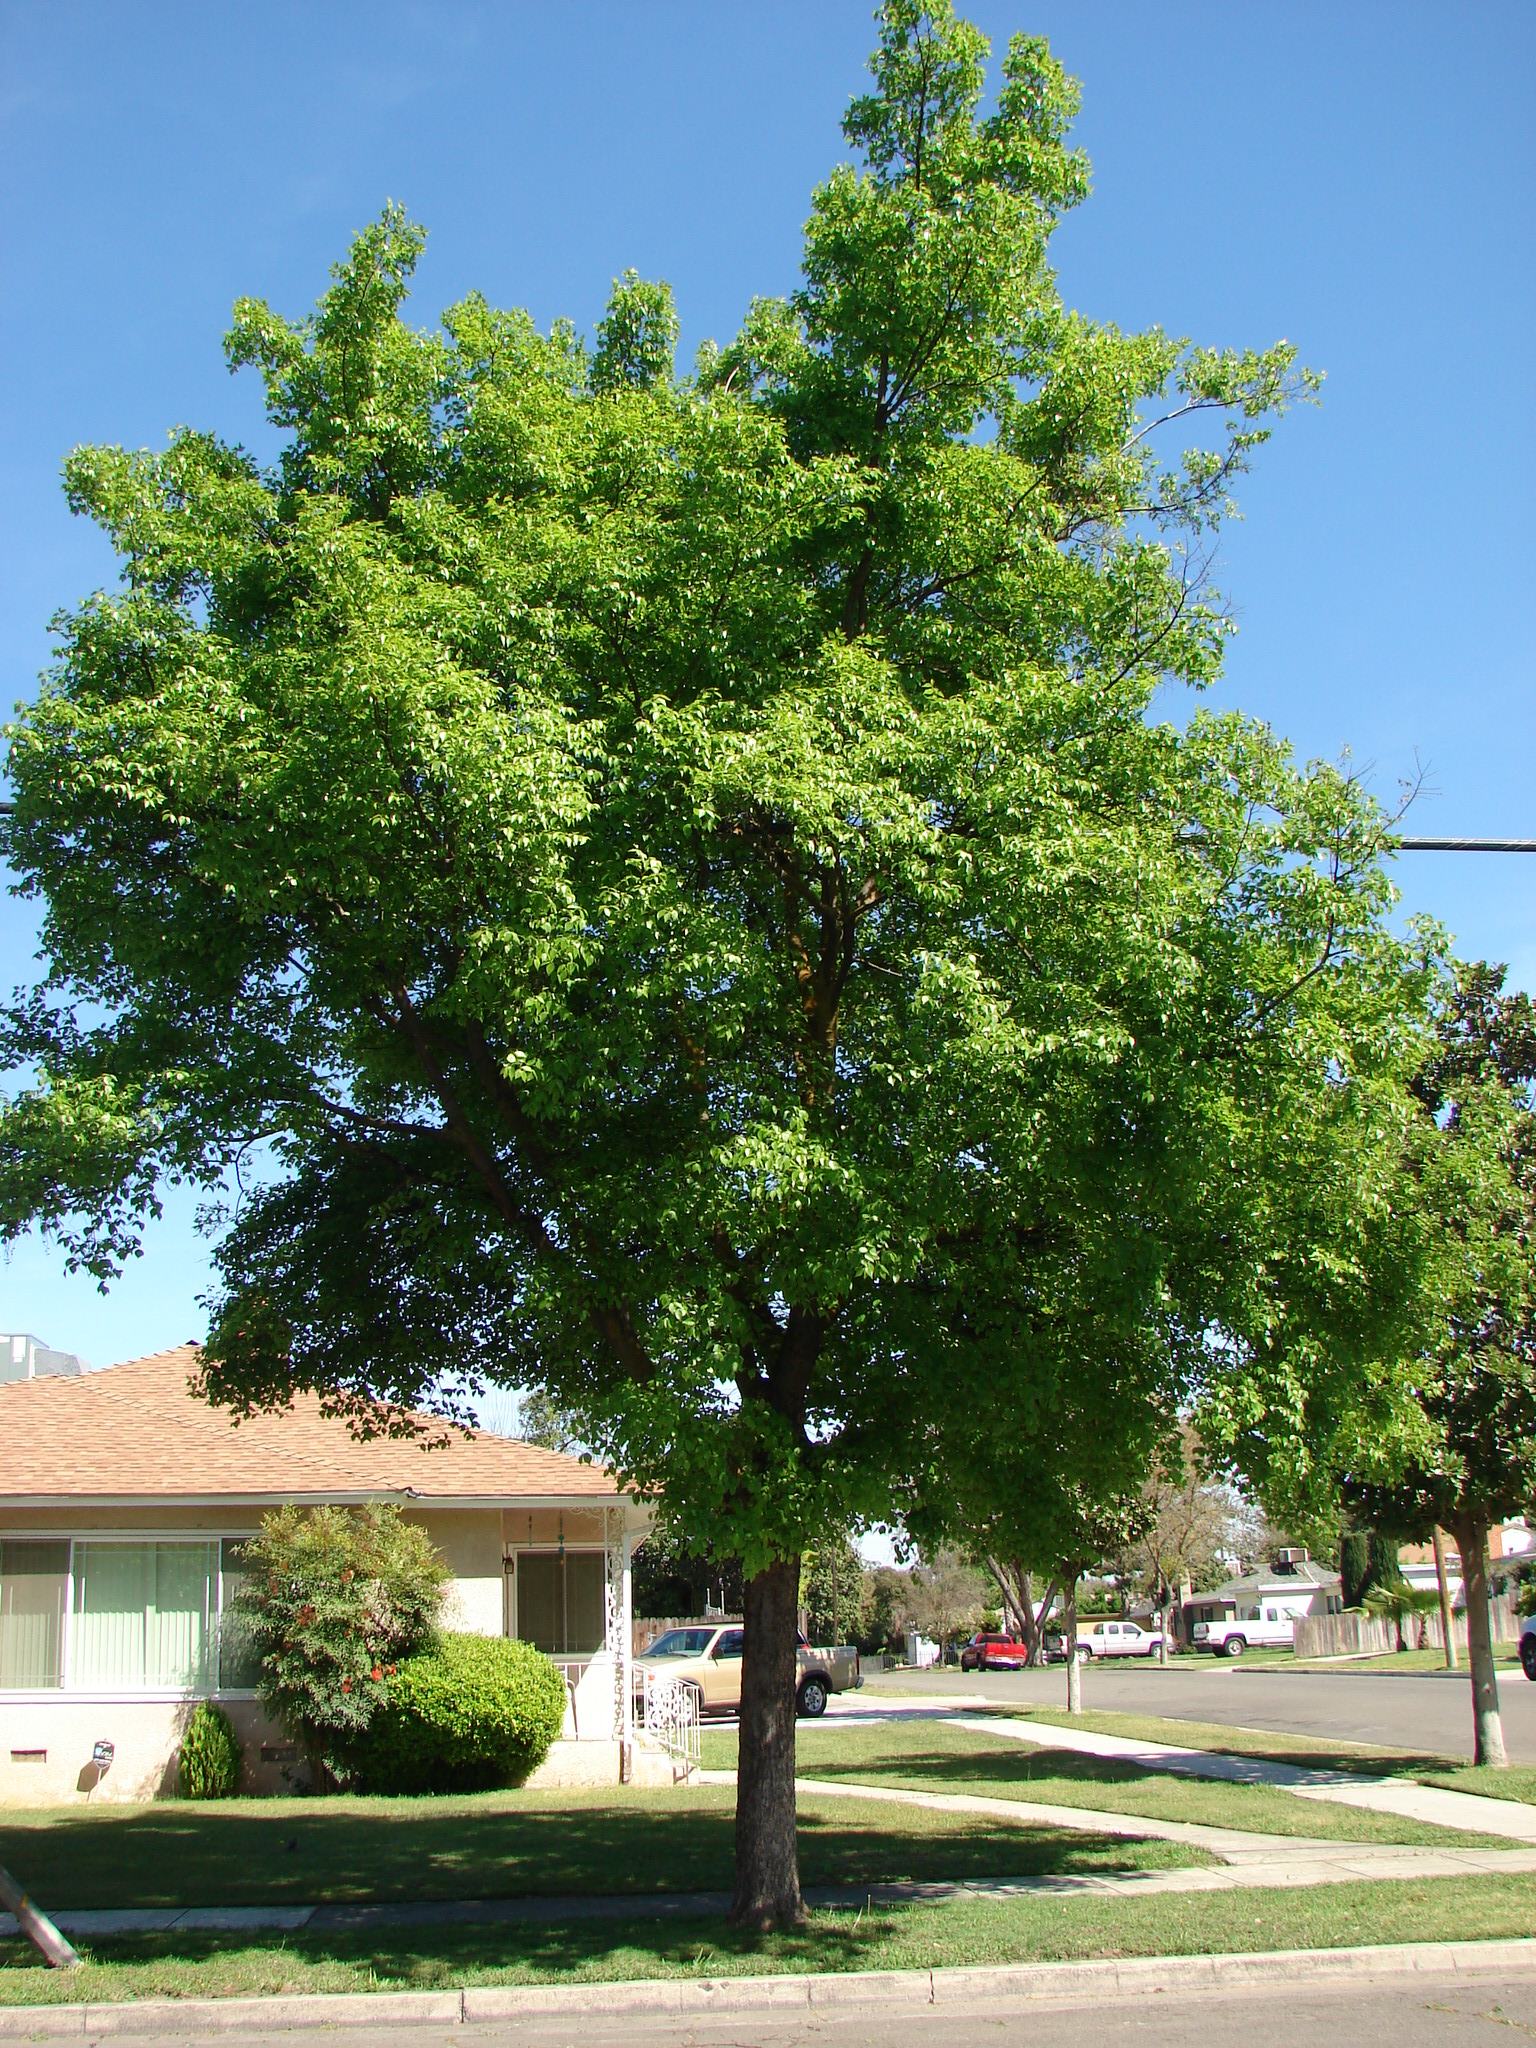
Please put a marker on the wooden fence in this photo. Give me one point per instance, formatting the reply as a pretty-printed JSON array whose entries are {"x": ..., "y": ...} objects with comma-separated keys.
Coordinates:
[
  {"x": 644, "y": 1632},
  {"x": 1364, "y": 1635}
]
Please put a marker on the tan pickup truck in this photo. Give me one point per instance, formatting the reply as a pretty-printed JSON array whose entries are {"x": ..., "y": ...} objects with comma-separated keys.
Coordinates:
[{"x": 707, "y": 1657}]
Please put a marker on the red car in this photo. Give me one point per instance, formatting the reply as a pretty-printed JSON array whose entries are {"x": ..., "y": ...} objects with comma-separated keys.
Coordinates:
[{"x": 993, "y": 1653}]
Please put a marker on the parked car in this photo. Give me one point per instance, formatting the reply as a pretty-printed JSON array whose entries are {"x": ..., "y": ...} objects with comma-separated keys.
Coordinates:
[
  {"x": 1528, "y": 1648},
  {"x": 987, "y": 1652},
  {"x": 707, "y": 1657},
  {"x": 1266, "y": 1627},
  {"x": 1119, "y": 1639}
]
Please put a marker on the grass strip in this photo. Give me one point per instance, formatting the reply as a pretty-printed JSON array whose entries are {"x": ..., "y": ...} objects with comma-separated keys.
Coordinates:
[
  {"x": 1407, "y": 1663},
  {"x": 938, "y": 1756},
  {"x": 927, "y": 1936},
  {"x": 499, "y": 1845}
]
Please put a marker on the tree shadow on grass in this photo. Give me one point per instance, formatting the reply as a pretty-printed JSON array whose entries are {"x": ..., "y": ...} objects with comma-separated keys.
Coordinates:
[
  {"x": 224, "y": 1965},
  {"x": 495, "y": 1847}
]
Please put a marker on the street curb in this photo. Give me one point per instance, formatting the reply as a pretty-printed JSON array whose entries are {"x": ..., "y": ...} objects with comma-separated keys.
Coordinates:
[{"x": 688, "y": 1998}]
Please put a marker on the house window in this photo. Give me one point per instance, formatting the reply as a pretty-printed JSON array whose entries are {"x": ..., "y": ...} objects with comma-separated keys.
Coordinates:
[
  {"x": 143, "y": 1614},
  {"x": 34, "y": 1593},
  {"x": 239, "y": 1663},
  {"x": 560, "y": 1606}
]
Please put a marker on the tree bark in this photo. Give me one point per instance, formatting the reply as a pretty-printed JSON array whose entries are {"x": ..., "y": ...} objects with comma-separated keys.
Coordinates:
[
  {"x": 1074, "y": 1669},
  {"x": 1487, "y": 1723},
  {"x": 1446, "y": 1617},
  {"x": 1037, "y": 1656},
  {"x": 767, "y": 1863}
]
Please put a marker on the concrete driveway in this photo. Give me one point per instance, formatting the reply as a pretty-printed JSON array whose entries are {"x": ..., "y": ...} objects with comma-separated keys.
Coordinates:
[{"x": 1410, "y": 1712}]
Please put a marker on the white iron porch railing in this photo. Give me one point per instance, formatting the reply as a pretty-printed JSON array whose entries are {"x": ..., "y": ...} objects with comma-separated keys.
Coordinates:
[{"x": 671, "y": 1708}]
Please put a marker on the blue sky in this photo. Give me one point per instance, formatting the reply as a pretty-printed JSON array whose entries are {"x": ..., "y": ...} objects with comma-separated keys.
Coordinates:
[{"x": 1360, "y": 179}]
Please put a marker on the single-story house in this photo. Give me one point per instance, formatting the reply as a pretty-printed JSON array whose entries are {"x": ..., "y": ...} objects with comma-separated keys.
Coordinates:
[
  {"x": 124, "y": 1504},
  {"x": 1294, "y": 1587}
]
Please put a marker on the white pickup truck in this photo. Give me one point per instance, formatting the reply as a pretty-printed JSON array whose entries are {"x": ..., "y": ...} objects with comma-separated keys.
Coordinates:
[{"x": 1265, "y": 1626}]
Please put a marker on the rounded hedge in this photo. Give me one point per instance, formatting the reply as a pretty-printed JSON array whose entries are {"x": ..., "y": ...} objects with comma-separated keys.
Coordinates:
[
  {"x": 210, "y": 1760},
  {"x": 468, "y": 1715}
]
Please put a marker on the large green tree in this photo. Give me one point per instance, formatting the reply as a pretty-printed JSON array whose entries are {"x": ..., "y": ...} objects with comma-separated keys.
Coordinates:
[
  {"x": 666, "y": 888},
  {"x": 1387, "y": 1349},
  {"x": 1464, "y": 1455}
]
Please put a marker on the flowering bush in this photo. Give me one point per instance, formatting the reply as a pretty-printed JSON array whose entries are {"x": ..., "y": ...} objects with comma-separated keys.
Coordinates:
[{"x": 333, "y": 1599}]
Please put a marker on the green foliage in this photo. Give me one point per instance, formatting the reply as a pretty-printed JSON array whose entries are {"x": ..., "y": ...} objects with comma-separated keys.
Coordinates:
[
  {"x": 1427, "y": 1412},
  {"x": 541, "y": 1422},
  {"x": 672, "y": 1577},
  {"x": 1368, "y": 1565},
  {"x": 636, "y": 337},
  {"x": 686, "y": 876},
  {"x": 1354, "y": 1565},
  {"x": 833, "y": 1588},
  {"x": 466, "y": 1715},
  {"x": 209, "y": 1762},
  {"x": 333, "y": 1599}
]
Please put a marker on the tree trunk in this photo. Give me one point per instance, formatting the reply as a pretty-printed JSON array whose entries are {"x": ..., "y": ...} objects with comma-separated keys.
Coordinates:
[
  {"x": 1074, "y": 1669},
  {"x": 767, "y": 1864},
  {"x": 1041, "y": 1618},
  {"x": 1487, "y": 1724},
  {"x": 1014, "y": 1603},
  {"x": 1446, "y": 1617}
]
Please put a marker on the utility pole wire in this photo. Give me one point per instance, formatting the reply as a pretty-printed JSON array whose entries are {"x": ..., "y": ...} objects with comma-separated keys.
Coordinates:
[{"x": 1464, "y": 846}]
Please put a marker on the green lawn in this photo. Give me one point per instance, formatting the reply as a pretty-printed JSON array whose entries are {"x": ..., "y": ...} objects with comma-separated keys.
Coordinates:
[
  {"x": 505, "y": 1845},
  {"x": 1397, "y": 1663},
  {"x": 1310, "y": 1752},
  {"x": 1517, "y": 1782},
  {"x": 963, "y": 1930},
  {"x": 936, "y": 1756}
]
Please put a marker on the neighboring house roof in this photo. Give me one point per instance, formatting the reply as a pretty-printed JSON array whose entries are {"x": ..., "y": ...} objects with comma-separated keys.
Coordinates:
[
  {"x": 137, "y": 1433},
  {"x": 1305, "y": 1578}
]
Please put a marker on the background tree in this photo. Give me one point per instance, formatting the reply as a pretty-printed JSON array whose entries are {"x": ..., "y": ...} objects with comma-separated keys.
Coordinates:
[
  {"x": 670, "y": 887},
  {"x": 1188, "y": 1529},
  {"x": 672, "y": 1578},
  {"x": 1422, "y": 1312},
  {"x": 833, "y": 1589},
  {"x": 948, "y": 1596},
  {"x": 1464, "y": 1455},
  {"x": 541, "y": 1421},
  {"x": 1367, "y": 1560}
]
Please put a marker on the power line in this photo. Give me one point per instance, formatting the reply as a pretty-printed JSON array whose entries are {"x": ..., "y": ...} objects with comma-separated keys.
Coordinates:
[{"x": 1466, "y": 846}]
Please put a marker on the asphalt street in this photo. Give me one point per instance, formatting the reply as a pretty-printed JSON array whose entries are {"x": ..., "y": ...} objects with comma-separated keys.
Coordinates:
[
  {"x": 1448, "y": 2012},
  {"x": 1410, "y": 1712}
]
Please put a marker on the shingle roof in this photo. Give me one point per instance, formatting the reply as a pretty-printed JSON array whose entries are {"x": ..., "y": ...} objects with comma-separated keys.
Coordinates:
[{"x": 136, "y": 1432}]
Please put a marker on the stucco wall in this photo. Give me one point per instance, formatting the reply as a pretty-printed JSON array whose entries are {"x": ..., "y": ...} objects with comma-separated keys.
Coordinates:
[
  {"x": 470, "y": 1542},
  {"x": 146, "y": 1732}
]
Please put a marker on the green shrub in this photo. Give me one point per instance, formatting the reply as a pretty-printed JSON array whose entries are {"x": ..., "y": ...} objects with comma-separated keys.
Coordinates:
[
  {"x": 470, "y": 1714},
  {"x": 210, "y": 1761},
  {"x": 333, "y": 1598}
]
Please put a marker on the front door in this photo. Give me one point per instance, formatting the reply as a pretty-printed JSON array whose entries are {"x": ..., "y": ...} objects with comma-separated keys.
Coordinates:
[{"x": 558, "y": 1600}]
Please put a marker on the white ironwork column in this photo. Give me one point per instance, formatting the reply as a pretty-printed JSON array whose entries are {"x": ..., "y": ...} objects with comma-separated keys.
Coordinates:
[
  {"x": 627, "y": 1629},
  {"x": 616, "y": 1616}
]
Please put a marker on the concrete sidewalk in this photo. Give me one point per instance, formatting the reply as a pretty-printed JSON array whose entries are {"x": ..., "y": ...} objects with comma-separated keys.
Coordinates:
[
  {"x": 1244, "y": 1860},
  {"x": 1286, "y": 1866},
  {"x": 1400, "y": 1796}
]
